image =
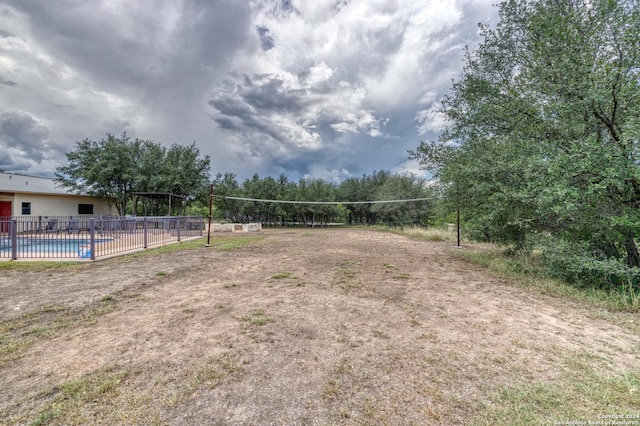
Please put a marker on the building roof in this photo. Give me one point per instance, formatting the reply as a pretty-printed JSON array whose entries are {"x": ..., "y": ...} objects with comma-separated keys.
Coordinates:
[{"x": 10, "y": 182}]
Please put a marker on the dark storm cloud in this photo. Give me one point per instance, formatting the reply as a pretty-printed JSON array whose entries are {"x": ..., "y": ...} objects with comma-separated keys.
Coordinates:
[
  {"x": 7, "y": 163},
  {"x": 266, "y": 41},
  {"x": 6, "y": 82},
  {"x": 251, "y": 100},
  {"x": 20, "y": 133},
  {"x": 270, "y": 93},
  {"x": 139, "y": 50},
  {"x": 143, "y": 67},
  {"x": 289, "y": 114},
  {"x": 240, "y": 116},
  {"x": 279, "y": 9}
]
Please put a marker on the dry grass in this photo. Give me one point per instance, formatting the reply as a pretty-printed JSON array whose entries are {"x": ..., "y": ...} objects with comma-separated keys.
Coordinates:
[
  {"x": 17, "y": 335},
  {"x": 406, "y": 349},
  {"x": 582, "y": 394},
  {"x": 425, "y": 234},
  {"x": 346, "y": 276},
  {"x": 520, "y": 273}
]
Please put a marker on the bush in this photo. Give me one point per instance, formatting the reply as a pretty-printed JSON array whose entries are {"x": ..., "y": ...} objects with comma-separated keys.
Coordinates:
[{"x": 576, "y": 264}]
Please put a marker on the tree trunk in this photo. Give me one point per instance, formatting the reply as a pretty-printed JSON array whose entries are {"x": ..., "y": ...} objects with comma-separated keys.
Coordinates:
[{"x": 633, "y": 257}]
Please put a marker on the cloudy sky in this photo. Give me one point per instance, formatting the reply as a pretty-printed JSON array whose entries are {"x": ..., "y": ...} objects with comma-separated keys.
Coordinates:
[{"x": 309, "y": 88}]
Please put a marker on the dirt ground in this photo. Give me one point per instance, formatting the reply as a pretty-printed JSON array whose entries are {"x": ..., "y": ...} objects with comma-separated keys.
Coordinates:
[{"x": 302, "y": 327}]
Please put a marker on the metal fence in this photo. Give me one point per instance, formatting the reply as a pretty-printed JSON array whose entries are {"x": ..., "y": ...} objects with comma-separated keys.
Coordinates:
[{"x": 90, "y": 238}]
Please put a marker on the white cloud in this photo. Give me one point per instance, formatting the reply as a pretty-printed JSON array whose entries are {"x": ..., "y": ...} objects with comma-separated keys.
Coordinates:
[
  {"x": 410, "y": 167},
  {"x": 329, "y": 175},
  {"x": 430, "y": 120}
]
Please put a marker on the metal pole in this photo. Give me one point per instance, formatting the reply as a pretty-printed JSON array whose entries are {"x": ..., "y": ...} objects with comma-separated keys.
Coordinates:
[
  {"x": 458, "y": 225},
  {"x": 210, "y": 209}
]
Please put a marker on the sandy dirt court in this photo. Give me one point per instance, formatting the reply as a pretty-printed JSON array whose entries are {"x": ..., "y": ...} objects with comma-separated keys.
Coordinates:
[{"x": 302, "y": 327}]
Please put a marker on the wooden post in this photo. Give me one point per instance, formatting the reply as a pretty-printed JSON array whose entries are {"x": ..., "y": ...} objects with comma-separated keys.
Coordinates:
[{"x": 210, "y": 210}]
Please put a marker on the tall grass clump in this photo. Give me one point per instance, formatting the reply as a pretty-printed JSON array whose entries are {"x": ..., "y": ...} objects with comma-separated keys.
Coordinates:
[
  {"x": 606, "y": 285},
  {"x": 424, "y": 234}
]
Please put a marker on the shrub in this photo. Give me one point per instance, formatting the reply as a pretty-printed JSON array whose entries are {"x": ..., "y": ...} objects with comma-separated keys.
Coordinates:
[{"x": 576, "y": 264}]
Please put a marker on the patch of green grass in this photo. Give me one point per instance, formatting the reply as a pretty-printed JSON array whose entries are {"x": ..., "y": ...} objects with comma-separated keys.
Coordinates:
[
  {"x": 256, "y": 318},
  {"x": 346, "y": 272},
  {"x": 346, "y": 276},
  {"x": 76, "y": 401},
  {"x": 282, "y": 275},
  {"x": 580, "y": 395},
  {"x": 160, "y": 274},
  {"x": 192, "y": 244},
  {"x": 218, "y": 243},
  {"x": 206, "y": 376},
  {"x": 231, "y": 243},
  {"x": 40, "y": 266},
  {"x": 288, "y": 277},
  {"x": 401, "y": 277}
]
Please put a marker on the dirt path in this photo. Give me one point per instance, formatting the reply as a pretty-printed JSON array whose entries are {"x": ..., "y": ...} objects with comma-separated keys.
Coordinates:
[{"x": 304, "y": 327}]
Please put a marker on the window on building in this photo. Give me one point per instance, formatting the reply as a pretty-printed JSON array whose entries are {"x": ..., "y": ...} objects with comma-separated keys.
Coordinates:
[
  {"x": 26, "y": 208},
  {"x": 85, "y": 208}
]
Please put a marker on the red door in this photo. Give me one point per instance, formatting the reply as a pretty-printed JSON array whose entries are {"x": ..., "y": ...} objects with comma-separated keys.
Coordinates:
[{"x": 5, "y": 214}]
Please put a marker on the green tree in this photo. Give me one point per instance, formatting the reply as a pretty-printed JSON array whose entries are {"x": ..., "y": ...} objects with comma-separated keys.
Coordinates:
[
  {"x": 227, "y": 185},
  {"x": 104, "y": 169},
  {"x": 397, "y": 187},
  {"x": 150, "y": 159},
  {"x": 185, "y": 173},
  {"x": 117, "y": 167},
  {"x": 543, "y": 131}
]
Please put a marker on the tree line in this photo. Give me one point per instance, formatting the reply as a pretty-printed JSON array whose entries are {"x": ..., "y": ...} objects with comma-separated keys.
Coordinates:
[
  {"x": 137, "y": 175},
  {"x": 542, "y": 144},
  {"x": 380, "y": 185}
]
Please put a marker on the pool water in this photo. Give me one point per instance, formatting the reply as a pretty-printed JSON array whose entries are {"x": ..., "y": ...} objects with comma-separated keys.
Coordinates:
[{"x": 49, "y": 245}]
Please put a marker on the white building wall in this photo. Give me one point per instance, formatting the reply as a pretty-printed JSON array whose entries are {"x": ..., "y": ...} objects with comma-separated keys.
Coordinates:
[{"x": 58, "y": 205}]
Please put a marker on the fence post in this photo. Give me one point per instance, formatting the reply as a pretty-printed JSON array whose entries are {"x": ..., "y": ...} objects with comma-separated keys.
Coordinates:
[
  {"x": 13, "y": 232},
  {"x": 92, "y": 238},
  {"x": 145, "y": 227},
  {"x": 178, "y": 226}
]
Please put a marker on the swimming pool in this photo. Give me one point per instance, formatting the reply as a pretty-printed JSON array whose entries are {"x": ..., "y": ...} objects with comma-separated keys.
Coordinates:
[{"x": 50, "y": 247}]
